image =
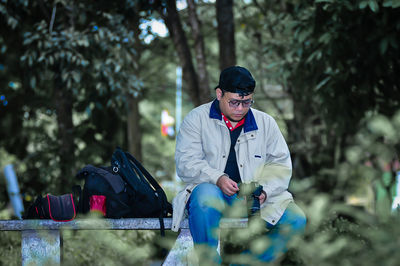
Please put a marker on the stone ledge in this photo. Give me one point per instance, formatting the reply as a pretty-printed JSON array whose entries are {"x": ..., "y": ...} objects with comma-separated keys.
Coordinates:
[{"x": 107, "y": 224}]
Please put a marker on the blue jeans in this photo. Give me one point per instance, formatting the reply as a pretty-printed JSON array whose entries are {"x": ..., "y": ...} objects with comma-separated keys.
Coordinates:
[{"x": 205, "y": 208}]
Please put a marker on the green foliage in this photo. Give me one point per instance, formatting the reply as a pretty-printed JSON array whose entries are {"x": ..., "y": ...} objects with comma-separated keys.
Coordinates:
[
  {"x": 108, "y": 247},
  {"x": 338, "y": 233},
  {"x": 347, "y": 60},
  {"x": 341, "y": 234},
  {"x": 163, "y": 169},
  {"x": 10, "y": 251},
  {"x": 62, "y": 75}
]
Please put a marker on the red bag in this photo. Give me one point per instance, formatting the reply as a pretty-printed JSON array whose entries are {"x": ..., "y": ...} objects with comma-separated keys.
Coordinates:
[{"x": 98, "y": 203}]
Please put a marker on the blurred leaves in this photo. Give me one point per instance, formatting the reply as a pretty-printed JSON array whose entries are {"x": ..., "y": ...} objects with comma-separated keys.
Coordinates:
[
  {"x": 339, "y": 233},
  {"x": 109, "y": 247}
]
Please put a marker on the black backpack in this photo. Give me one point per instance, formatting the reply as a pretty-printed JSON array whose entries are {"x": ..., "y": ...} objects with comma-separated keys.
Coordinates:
[{"x": 128, "y": 188}]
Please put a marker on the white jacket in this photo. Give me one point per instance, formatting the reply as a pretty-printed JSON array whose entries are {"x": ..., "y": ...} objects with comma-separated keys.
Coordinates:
[{"x": 202, "y": 150}]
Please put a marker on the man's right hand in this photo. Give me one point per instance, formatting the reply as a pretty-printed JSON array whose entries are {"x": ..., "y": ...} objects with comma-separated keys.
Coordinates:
[{"x": 227, "y": 185}]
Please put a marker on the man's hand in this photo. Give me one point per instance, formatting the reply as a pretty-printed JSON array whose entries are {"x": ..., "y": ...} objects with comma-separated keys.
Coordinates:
[
  {"x": 262, "y": 197},
  {"x": 227, "y": 185}
]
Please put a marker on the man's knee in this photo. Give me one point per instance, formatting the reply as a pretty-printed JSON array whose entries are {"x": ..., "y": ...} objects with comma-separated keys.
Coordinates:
[
  {"x": 296, "y": 218},
  {"x": 206, "y": 195}
]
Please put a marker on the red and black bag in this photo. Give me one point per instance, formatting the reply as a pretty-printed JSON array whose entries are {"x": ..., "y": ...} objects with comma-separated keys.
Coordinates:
[
  {"x": 58, "y": 208},
  {"x": 124, "y": 190}
]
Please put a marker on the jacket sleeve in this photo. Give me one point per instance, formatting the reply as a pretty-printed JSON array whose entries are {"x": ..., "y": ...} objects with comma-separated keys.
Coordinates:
[
  {"x": 275, "y": 174},
  {"x": 191, "y": 165}
]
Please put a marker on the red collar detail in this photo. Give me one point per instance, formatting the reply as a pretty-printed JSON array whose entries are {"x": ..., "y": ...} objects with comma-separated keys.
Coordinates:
[{"x": 229, "y": 125}]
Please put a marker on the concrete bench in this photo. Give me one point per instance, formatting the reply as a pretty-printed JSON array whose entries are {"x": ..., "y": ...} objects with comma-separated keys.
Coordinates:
[{"x": 41, "y": 240}]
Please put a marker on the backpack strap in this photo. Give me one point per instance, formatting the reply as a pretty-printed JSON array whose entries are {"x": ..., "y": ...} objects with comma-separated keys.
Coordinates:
[
  {"x": 125, "y": 168},
  {"x": 166, "y": 206},
  {"x": 141, "y": 169},
  {"x": 146, "y": 177}
]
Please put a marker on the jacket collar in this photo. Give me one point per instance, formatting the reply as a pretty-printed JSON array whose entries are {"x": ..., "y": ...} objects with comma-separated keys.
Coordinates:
[{"x": 249, "y": 124}]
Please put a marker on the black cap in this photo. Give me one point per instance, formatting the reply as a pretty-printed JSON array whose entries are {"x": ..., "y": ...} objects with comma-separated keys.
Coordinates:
[{"x": 236, "y": 79}]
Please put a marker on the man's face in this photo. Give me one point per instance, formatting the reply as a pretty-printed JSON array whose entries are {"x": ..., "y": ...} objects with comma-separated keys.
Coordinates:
[{"x": 230, "y": 108}]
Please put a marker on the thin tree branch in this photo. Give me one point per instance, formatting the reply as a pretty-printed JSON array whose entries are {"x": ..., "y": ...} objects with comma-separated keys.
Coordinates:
[{"x": 53, "y": 16}]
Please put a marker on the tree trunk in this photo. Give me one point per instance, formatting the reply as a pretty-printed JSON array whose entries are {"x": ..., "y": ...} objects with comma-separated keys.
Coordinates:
[
  {"x": 63, "y": 107},
  {"x": 133, "y": 127},
  {"x": 197, "y": 35},
  {"x": 174, "y": 25},
  {"x": 226, "y": 33},
  {"x": 134, "y": 132}
]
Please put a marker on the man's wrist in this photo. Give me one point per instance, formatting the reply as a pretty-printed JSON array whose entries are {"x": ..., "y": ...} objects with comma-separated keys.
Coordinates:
[{"x": 219, "y": 178}]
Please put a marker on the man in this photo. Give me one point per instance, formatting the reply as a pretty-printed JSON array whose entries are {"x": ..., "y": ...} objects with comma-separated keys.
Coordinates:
[{"x": 223, "y": 144}]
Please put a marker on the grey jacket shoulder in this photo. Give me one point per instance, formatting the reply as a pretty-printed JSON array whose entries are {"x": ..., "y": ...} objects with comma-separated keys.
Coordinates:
[{"x": 261, "y": 115}]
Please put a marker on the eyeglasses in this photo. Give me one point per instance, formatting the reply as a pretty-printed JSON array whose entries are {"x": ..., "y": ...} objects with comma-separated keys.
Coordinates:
[{"x": 245, "y": 103}]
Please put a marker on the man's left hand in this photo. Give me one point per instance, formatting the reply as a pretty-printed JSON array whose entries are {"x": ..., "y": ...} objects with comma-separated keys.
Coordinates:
[{"x": 262, "y": 197}]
